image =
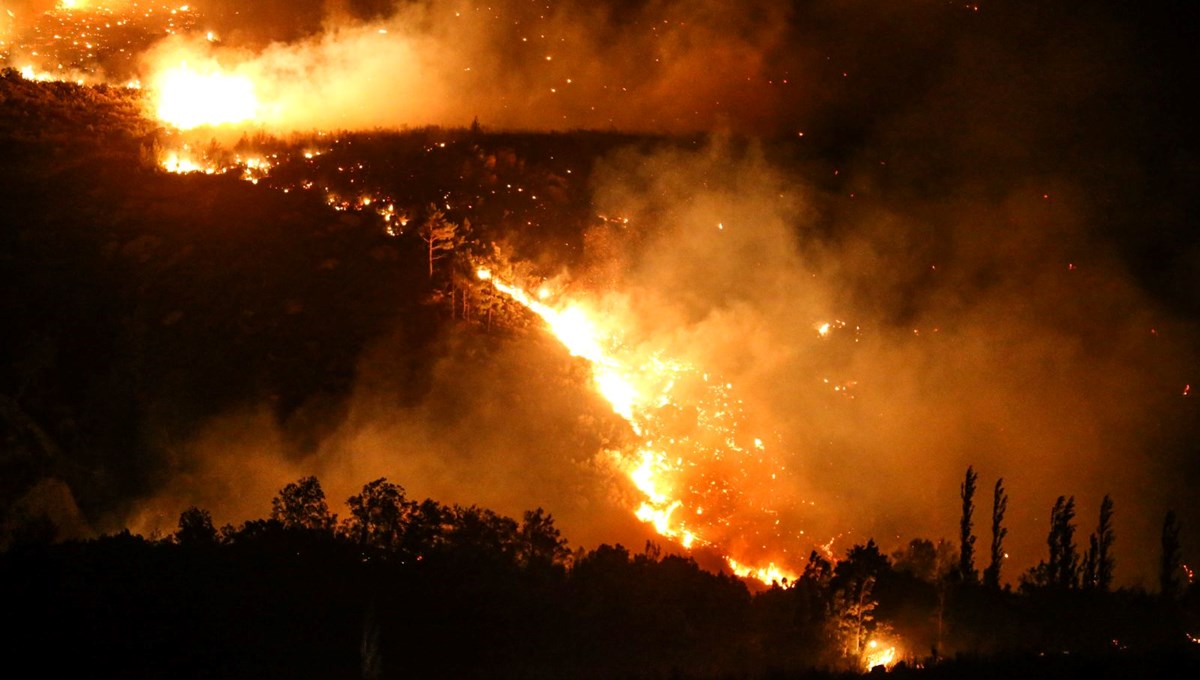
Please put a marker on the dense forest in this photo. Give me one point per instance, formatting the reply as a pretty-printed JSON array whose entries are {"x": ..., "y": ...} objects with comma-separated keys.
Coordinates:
[{"x": 118, "y": 281}]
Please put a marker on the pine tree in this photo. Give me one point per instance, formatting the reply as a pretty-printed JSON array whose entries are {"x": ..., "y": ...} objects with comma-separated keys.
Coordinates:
[{"x": 440, "y": 235}]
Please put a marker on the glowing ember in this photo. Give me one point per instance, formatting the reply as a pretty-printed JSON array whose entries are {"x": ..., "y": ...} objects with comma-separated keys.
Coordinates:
[
  {"x": 174, "y": 162},
  {"x": 184, "y": 161},
  {"x": 698, "y": 476},
  {"x": 825, "y": 328},
  {"x": 188, "y": 98}
]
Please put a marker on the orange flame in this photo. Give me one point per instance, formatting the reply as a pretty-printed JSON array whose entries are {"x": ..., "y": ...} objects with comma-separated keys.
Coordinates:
[
  {"x": 189, "y": 98},
  {"x": 677, "y": 475},
  {"x": 879, "y": 655}
]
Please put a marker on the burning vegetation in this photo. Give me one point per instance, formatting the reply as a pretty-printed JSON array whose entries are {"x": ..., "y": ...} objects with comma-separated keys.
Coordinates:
[{"x": 756, "y": 357}]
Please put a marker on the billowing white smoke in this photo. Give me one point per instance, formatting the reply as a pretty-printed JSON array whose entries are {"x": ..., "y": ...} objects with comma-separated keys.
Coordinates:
[{"x": 660, "y": 67}]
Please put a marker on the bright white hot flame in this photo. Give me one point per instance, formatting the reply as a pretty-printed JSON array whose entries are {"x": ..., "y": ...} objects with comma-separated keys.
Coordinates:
[
  {"x": 879, "y": 655},
  {"x": 189, "y": 98}
]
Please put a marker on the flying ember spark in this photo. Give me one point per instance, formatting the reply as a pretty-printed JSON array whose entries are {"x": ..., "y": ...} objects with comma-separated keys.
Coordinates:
[{"x": 702, "y": 481}]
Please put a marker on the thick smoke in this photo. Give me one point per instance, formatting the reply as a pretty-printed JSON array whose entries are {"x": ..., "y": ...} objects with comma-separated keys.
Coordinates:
[
  {"x": 1018, "y": 345},
  {"x": 510, "y": 428},
  {"x": 985, "y": 199},
  {"x": 631, "y": 66}
]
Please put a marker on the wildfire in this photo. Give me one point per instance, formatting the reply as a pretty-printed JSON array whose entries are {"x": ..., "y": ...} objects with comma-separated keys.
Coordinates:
[
  {"x": 175, "y": 162},
  {"x": 694, "y": 470},
  {"x": 879, "y": 655},
  {"x": 185, "y": 161},
  {"x": 188, "y": 98}
]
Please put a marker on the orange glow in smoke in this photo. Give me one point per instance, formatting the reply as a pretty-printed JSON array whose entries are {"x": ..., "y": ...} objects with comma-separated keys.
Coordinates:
[
  {"x": 879, "y": 655},
  {"x": 701, "y": 482},
  {"x": 188, "y": 98}
]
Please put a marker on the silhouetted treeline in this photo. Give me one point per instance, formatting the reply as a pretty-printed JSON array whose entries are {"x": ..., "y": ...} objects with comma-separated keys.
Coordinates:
[{"x": 400, "y": 588}]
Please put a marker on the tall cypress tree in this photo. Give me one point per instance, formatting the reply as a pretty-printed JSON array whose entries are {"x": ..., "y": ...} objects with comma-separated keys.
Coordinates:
[
  {"x": 1168, "y": 570},
  {"x": 1064, "y": 557},
  {"x": 991, "y": 575},
  {"x": 966, "y": 550},
  {"x": 1105, "y": 562}
]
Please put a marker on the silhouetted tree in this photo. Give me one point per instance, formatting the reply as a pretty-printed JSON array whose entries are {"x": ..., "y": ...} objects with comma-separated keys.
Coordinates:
[
  {"x": 1087, "y": 575},
  {"x": 919, "y": 559},
  {"x": 1064, "y": 557},
  {"x": 991, "y": 575},
  {"x": 301, "y": 505},
  {"x": 1171, "y": 559},
  {"x": 966, "y": 549},
  {"x": 378, "y": 515},
  {"x": 1098, "y": 561},
  {"x": 481, "y": 533},
  {"x": 1062, "y": 569},
  {"x": 861, "y": 561},
  {"x": 195, "y": 527},
  {"x": 541, "y": 542},
  {"x": 428, "y": 525},
  {"x": 817, "y": 570},
  {"x": 1105, "y": 560}
]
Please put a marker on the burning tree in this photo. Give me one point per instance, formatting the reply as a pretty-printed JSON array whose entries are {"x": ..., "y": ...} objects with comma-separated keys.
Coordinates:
[
  {"x": 854, "y": 619},
  {"x": 854, "y": 602}
]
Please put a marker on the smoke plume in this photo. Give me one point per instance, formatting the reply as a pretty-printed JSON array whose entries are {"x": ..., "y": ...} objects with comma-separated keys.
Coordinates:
[
  {"x": 983, "y": 206},
  {"x": 631, "y": 66}
]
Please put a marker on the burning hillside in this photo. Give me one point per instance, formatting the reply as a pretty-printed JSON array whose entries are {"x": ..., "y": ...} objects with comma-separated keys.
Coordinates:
[{"x": 798, "y": 339}]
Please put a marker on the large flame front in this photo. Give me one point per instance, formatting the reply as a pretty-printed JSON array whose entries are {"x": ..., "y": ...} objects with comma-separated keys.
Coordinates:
[
  {"x": 692, "y": 467},
  {"x": 189, "y": 98}
]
